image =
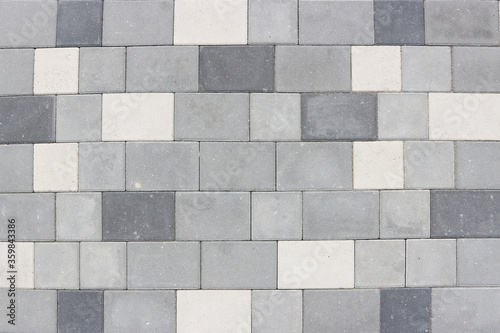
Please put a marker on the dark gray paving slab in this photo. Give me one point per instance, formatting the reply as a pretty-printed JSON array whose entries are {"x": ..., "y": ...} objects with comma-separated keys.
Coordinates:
[
  {"x": 102, "y": 69},
  {"x": 277, "y": 310},
  {"x": 272, "y": 21},
  {"x": 399, "y": 22},
  {"x": 476, "y": 69},
  {"x": 477, "y": 262},
  {"x": 162, "y": 68},
  {"x": 153, "y": 265},
  {"x": 16, "y": 168},
  {"x": 314, "y": 166},
  {"x": 27, "y": 119},
  {"x": 402, "y": 116},
  {"x": 205, "y": 216},
  {"x": 143, "y": 216},
  {"x": 239, "y": 265},
  {"x": 78, "y": 217},
  {"x": 336, "y": 22},
  {"x": 313, "y": 68},
  {"x": 236, "y": 68},
  {"x": 78, "y": 118},
  {"x": 339, "y": 311},
  {"x": 16, "y": 67},
  {"x": 461, "y": 22},
  {"x": 101, "y": 166},
  {"x": 465, "y": 214},
  {"x": 426, "y": 68},
  {"x": 405, "y": 310},
  {"x": 478, "y": 165},
  {"x": 79, "y": 23},
  {"x": 342, "y": 116},
  {"x": 336, "y": 215},
  {"x": 80, "y": 311}
]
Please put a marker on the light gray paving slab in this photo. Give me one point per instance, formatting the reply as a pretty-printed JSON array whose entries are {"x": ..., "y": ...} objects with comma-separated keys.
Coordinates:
[
  {"x": 205, "y": 216},
  {"x": 478, "y": 165},
  {"x": 56, "y": 266},
  {"x": 276, "y": 311},
  {"x": 101, "y": 166},
  {"x": 103, "y": 265},
  {"x": 78, "y": 118},
  {"x": 80, "y": 311},
  {"x": 162, "y": 68},
  {"x": 337, "y": 215},
  {"x": 402, "y": 116},
  {"x": 426, "y": 68},
  {"x": 78, "y": 217},
  {"x": 314, "y": 166},
  {"x": 339, "y": 311},
  {"x": 405, "y": 310},
  {"x": 399, "y": 22},
  {"x": 237, "y": 166},
  {"x": 209, "y": 117},
  {"x": 16, "y": 168},
  {"x": 16, "y": 67},
  {"x": 404, "y": 214},
  {"x": 162, "y": 166},
  {"x": 477, "y": 262},
  {"x": 476, "y": 69},
  {"x": 336, "y": 22},
  {"x": 272, "y": 22},
  {"x": 165, "y": 265},
  {"x": 79, "y": 23},
  {"x": 102, "y": 69},
  {"x": 313, "y": 68},
  {"x": 239, "y": 265}
]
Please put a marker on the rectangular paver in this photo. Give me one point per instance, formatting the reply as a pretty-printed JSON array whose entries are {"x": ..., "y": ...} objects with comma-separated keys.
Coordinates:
[
  {"x": 103, "y": 265},
  {"x": 477, "y": 262},
  {"x": 78, "y": 217},
  {"x": 102, "y": 69},
  {"x": 78, "y": 118},
  {"x": 17, "y": 71},
  {"x": 16, "y": 168},
  {"x": 477, "y": 165},
  {"x": 475, "y": 69},
  {"x": 405, "y": 310},
  {"x": 56, "y": 266},
  {"x": 272, "y": 22},
  {"x": 275, "y": 310},
  {"x": 426, "y": 68},
  {"x": 101, "y": 166},
  {"x": 80, "y": 311}
]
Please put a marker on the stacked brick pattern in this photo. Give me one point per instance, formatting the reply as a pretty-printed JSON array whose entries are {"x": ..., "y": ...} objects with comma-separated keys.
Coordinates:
[{"x": 251, "y": 165}]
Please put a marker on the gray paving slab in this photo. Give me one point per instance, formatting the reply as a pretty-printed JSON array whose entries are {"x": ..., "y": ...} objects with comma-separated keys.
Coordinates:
[
  {"x": 79, "y": 23},
  {"x": 80, "y": 311},
  {"x": 78, "y": 118},
  {"x": 276, "y": 310},
  {"x": 426, "y": 68},
  {"x": 20, "y": 177},
  {"x": 78, "y": 217},
  {"x": 476, "y": 69},
  {"x": 16, "y": 67},
  {"x": 101, "y": 166},
  {"x": 477, "y": 165},
  {"x": 103, "y": 265},
  {"x": 477, "y": 262},
  {"x": 399, "y": 22},
  {"x": 57, "y": 266},
  {"x": 102, "y": 69},
  {"x": 272, "y": 22},
  {"x": 405, "y": 310}
]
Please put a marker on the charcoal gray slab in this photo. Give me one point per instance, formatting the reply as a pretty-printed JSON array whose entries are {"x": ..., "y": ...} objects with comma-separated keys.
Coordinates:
[
  {"x": 476, "y": 69},
  {"x": 405, "y": 310},
  {"x": 79, "y": 23},
  {"x": 236, "y": 68},
  {"x": 80, "y": 311},
  {"x": 143, "y": 216},
  {"x": 399, "y": 22},
  {"x": 340, "y": 116},
  {"x": 28, "y": 119},
  {"x": 465, "y": 214},
  {"x": 478, "y": 165}
]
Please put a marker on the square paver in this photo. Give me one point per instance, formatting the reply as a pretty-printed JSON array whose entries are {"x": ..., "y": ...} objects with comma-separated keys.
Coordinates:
[
  {"x": 463, "y": 214},
  {"x": 399, "y": 22},
  {"x": 402, "y": 116},
  {"x": 379, "y": 263},
  {"x": 405, "y": 310},
  {"x": 429, "y": 164},
  {"x": 477, "y": 262},
  {"x": 27, "y": 119},
  {"x": 426, "y": 68},
  {"x": 340, "y": 116},
  {"x": 404, "y": 214},
  {"x": 274, "y": 117},
  {"x": 476, "y": 69},
  {"x": 314, "y": 166},
  {"x": 477, "y": 165},
  {"x": 79, "y": 23},
  {"x": 16, "y": 67},
  {"x": 336, "y": 215},
  {"x": 139, "y": 311},
  {"x": 34, "y": 215},
  {"x": 162, "y": 166},
  {"x": 238, "y": 265},
  {"x": 56, "y": 266},
  {"x": 55, "y": 167},
  {"x": 162, "y": 68},
  {"x": 78, "y": 217},
  {"x": 236, "y": 68},
  {"x": 272, "y": 22},
  {"x": 276, "y": 215},
  {"x": 25, "y": 265},
  {"x": 102, "y": 166},
  {"x": 78, "y": 118},
  {"x": 312, "y": 68},
  {"x": 56, "y": 71},
  {"x": 138, "y": 216},
  {"x": 20, "y": 177},
  {"x": 213, "y": 311},
  {"x": 80, "y": 311},
  {"x": 336, "y": 22},
  {"x": 315, "y": 264},
  {"x": 206, "y": 117},
  {"x": 378, "y": 165},
  {"x": 431, "y": 262},
  {"x": 102, "y": 69},
  {"x": 129, "y": 117},
  {"x": 341, "y": 311},
  {"x": 237, "y": 166},
  {"x": 205, "y": 216},
  {"x": 154, "y": 265},
  {"x": 137, "y": 23},
  {"x": 103, "y": 265},
  {"x": 275, "y": 310},
  {"x": 376, "y": 68},
  {"x": 202, "y": 22}
]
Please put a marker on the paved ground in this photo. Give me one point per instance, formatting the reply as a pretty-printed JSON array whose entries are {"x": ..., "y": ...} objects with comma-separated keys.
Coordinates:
[{"x": 256, "y": 166}]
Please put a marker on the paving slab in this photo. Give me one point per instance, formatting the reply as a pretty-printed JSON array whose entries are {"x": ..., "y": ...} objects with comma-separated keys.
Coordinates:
[
  {"x": 103, "y": 265},
  {"x": 405, "y": 310},
  {"x": 399, "y": 22},
  {"x": 272, "y": 22},
  {"x": 101, "y": 166},
  {"x": 426, "y": 68},
  {"x": 475, "y": 69},
  {"x": 275, "y": 310},
  {"x": 56, "y": 266},
  {"x": 78, "y": 118},
  {"x": 78, "y": 217},
  {"x": 102, "y": 69},
  {"x": 477, "y": 263},
  {"x": 56, "y": 71},
  {"x": 17, "y": 71},
  {"x": 477, "y": 165},
  {"x": 55, "y": 167},
  {"x": 80, "y": 311},
  {"x": 16, "y": 168},
  {"x": 79, "y": 23}
]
